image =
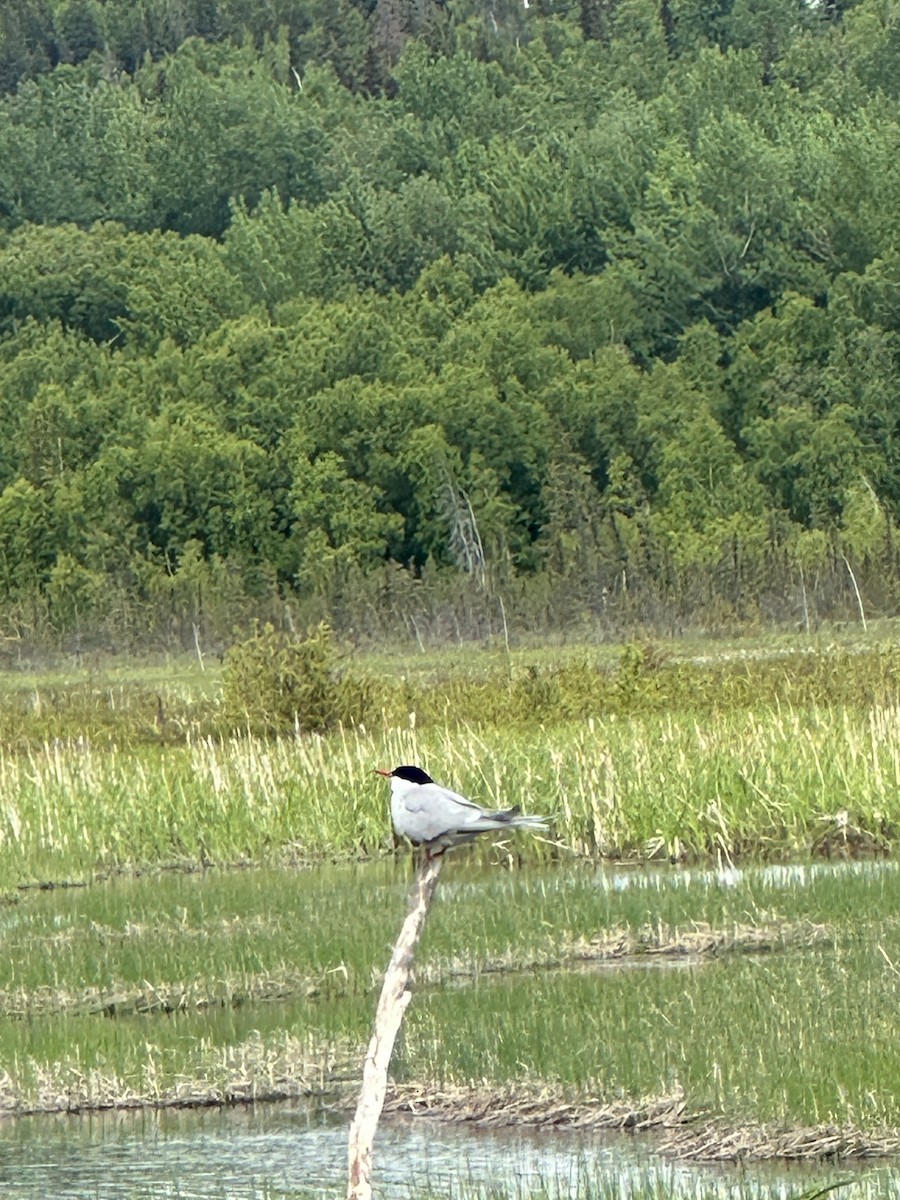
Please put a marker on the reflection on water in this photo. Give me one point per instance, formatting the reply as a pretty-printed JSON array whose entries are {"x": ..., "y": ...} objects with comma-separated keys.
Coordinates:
[
  {"x": 270, "y": 1150},
  {"x": 645, "y": 877},
  {"x": 775, "y": 875}
]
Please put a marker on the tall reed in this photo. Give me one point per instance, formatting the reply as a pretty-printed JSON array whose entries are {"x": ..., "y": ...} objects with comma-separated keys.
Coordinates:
[{"x": 764, "y": 782}]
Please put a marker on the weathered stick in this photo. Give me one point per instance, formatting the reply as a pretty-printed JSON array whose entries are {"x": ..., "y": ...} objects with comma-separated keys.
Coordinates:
[
  {"x": 391, "y": 1006},
  {"x": 862, "y": 611}
]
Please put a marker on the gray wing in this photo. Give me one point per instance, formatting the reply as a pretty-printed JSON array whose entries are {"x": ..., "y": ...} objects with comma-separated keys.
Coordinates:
[{"x": 433, "y": 810}]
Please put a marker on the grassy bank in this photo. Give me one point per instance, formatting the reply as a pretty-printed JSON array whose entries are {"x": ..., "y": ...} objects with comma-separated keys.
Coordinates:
[
  {"x": 267, "y": 981},
  {"x": 762, "y": 782},
  {"x": 755, "y": 749},
  {"x": 129, "y": 704}
]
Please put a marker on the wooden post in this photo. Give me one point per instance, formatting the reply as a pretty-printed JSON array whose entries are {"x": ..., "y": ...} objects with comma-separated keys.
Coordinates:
[{"x": 388, "y": 1017}]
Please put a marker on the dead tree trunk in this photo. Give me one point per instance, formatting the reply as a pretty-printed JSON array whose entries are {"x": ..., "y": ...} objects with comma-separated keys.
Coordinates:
[{"x": 388, "y": 1017}]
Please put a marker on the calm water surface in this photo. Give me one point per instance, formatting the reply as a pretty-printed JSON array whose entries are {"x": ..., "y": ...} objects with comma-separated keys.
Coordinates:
[{"x": 272, "y": 1150}]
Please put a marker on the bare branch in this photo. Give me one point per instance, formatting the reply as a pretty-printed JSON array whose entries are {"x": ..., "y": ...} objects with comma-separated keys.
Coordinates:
[{"x": 392, "y": 1004}]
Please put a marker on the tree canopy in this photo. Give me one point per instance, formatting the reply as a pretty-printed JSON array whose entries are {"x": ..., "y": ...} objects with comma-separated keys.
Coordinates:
[{"x": 374, "y": 309}]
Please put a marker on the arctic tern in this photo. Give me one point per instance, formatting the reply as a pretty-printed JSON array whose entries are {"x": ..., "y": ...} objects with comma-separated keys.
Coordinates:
[{"x": 433, "y": 816}]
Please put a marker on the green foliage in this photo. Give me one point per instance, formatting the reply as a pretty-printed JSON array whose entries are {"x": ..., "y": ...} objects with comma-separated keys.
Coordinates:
[
  {"x": 524, "y": 691},
  {"x": 24, "y": 556},
  {"x": 336, "y": 522},
  {"x": 116, "y": 287},
  {"x": 275, "y": 682},
  {"x": 577, "y": 314}
]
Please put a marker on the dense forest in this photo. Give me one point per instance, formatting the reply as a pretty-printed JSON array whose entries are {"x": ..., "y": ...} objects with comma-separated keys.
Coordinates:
[{"x": 442, "y": 318}]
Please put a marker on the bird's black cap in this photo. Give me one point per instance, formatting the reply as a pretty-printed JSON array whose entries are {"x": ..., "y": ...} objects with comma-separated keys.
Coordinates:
[{"x": 412, "y": 774}]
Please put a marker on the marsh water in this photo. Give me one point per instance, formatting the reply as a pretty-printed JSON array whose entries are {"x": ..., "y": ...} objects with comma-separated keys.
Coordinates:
[
  {"x": 268, "y": 1151},
  {"x": 272, "y": 1150}
]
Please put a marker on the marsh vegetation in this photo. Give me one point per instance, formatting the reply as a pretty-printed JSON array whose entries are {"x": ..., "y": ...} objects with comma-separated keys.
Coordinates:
[
  {"x": 705, "y": 945},
  {"x": 636, "y": 754}
]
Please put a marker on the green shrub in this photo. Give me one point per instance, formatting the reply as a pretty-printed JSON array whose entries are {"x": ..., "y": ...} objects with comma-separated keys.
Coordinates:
[{"x": 275, "y": 682}]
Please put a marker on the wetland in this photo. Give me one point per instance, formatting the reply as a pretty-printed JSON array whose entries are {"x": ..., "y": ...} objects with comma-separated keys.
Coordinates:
[{"x": 699, "y": 966}]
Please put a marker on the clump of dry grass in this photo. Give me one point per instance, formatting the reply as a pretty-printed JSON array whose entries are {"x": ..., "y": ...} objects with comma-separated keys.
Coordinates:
[
  {"x": 684, "y": 1134},
  {"x": 700, "y": 942},
  {"x": 276, "y": 1068},
  {"x": 717, "y": 1141},
  {"x": 128, "y": 999},
  {"x": 541, "y": 1107}
]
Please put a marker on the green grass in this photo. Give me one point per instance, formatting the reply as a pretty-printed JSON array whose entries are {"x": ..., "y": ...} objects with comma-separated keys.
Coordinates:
[
  {"x": 794, "y": 1036},
  {"x": 682, "y": 1185},
  {"x": 773, "y": 753},
  {"x": 759, "y": 783},
  {"x": 326, "y": 927},
  {"x": 770, "y": 1041},
  {"x": 170, "y": 702},
  {"x": 227, "y": 982},
  {"x": 650, "y": 1185}
]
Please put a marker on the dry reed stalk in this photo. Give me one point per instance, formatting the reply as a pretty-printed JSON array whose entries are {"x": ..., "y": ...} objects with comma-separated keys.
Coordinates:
[
  {"x": 540, "y": 1107},
  {"x": 395, "y": 996},
  {"x": 686, "y": 1135},
  {"x": 718, "y": 1142}
]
